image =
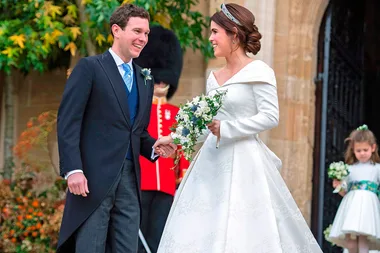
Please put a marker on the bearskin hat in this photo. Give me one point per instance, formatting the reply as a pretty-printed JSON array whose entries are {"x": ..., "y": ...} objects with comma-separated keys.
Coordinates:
[{"x": 163, "y": 55}]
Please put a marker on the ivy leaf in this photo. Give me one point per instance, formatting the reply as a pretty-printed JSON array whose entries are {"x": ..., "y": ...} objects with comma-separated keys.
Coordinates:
[
  {"x": 39, "y": 67},
  {"x": 68, "y": 19},
  {"x": 84, "y": 2},
  {"x": 100, "y": 38},
  {"x": 63, "y": 40},
  {"x": 72, "y": 47},
  {"x": 32, "y": 57},
  {"x": 109, "y": 39},
  {"x": 56, "y": 33},
  {"x": 10, "y": 52},
  {"x": 163, "y": 19},
  {"x": 100, "y": 18},
  {"x": 55, "y": 10},
  {"x": 45, "y": 48},
  {"x": 18, "y": 40},
  {"x": 72, "y": 10},
  {"x": 49, "y": 39},
  {"x": 75, "y": 31}
]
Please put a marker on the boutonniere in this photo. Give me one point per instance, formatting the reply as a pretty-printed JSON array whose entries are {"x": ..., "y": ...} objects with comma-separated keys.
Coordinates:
[{"x": 146, "y": 73}]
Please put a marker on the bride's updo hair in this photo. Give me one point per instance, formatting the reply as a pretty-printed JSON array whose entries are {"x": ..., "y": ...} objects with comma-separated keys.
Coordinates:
[{"x": 247, "y": 32}]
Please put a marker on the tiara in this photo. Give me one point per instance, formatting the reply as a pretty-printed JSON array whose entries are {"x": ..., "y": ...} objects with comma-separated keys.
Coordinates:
[{"x": 229, "y": 15}]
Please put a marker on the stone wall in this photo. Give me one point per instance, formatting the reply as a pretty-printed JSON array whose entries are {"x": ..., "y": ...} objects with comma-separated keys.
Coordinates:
[
  {"x": 38, "y": 93},
  {"x": 295, "y": 51}
]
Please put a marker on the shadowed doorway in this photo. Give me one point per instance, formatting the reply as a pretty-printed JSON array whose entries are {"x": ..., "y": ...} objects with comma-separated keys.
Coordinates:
[{"x": 347, "y": 90}]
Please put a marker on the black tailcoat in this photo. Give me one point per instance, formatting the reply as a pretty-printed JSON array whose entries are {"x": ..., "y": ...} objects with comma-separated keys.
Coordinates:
[{"x": 94, "y": 132}]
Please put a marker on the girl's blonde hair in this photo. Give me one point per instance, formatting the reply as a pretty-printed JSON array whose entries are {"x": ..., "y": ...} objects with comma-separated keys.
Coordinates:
[{"x": 360, "y": 135}]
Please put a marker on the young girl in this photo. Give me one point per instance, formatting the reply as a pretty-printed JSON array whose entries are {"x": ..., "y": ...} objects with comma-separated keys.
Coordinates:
[{"x": 357, "y": 223}]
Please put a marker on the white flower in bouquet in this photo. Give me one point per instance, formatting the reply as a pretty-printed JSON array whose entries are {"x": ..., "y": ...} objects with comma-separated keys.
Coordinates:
[
  {"x": 192, "y": 119},
  {"x": 338, "y": 170}
]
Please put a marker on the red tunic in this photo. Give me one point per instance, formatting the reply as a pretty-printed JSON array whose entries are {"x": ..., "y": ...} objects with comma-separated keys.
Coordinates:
[{"x": 160, "y": 176}]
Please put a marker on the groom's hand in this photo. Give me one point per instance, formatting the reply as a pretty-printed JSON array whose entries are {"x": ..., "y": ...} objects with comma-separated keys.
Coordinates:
[
  {"x": 164, "y": 146},
  {"x": 77, "y": 184}
]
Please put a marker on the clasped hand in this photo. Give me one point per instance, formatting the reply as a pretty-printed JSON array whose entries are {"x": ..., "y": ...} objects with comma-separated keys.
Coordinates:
[{"x": 164, "y": 146}]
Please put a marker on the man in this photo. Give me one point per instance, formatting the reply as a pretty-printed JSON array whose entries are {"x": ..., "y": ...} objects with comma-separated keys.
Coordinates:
[
  {"x": 102, "y": 123},
  {"x": 163, "y": 54}
]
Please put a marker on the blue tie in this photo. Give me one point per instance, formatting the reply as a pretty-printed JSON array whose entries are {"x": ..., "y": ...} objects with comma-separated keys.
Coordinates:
[{"x": 127, "y": 77}]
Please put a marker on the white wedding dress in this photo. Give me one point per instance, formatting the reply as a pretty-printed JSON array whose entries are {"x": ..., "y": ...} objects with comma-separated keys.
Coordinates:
[{"x": 233, "y": 199}]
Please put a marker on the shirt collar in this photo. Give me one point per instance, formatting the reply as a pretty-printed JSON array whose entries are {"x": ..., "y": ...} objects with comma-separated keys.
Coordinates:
[{"x": 118, "y": 60}]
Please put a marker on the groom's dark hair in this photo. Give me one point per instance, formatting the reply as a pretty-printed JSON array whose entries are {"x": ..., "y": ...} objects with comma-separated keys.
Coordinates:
[{"x": 122, "y": 15}]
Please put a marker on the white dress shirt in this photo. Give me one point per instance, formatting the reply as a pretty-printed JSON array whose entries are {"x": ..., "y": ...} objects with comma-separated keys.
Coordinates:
[{"x": 119, "y": 62}]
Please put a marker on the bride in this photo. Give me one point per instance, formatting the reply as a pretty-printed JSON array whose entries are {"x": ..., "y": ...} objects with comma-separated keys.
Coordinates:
[{"x": 233, "y": 199}]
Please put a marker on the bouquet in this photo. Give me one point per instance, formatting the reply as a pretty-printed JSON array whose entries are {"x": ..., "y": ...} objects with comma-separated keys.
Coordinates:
[
  {"x": 326, "y": 234},
  {"x": 338, "y": 171},
  {"x": 192, "y": 119}
]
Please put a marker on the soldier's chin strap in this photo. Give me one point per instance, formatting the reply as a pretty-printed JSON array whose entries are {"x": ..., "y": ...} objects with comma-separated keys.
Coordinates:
[
  {"x": 159, "y": 100},
  {"x": 162, "y": 89},
  {"x": 160, "y": 92}
]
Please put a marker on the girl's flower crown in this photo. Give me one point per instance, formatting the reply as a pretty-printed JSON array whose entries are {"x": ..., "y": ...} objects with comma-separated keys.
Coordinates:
[{"x": 362, "y": 128}]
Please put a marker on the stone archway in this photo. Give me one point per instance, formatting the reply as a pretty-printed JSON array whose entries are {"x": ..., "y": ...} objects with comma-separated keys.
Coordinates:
[
  {"x": 295, "y": 59},
  {"x": 347, "y": 84}
]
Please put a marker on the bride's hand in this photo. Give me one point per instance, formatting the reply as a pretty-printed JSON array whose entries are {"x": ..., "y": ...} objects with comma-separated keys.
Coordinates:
[{"x": 214, "y": 127}]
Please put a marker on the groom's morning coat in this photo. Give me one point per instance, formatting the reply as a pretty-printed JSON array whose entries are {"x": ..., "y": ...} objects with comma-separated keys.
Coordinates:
[{"x": 94, "y": 132}]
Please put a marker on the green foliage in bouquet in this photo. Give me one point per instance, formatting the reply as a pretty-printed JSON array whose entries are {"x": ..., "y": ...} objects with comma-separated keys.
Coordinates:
[
  {"x": 326, "y": 234},
  {"x": 192, "y": 119}
]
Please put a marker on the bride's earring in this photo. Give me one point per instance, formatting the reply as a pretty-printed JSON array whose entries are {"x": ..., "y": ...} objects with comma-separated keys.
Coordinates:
[{"x": 233, "y": 42}]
